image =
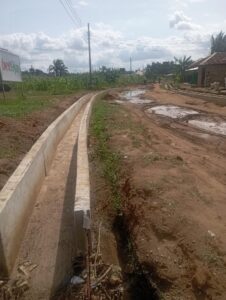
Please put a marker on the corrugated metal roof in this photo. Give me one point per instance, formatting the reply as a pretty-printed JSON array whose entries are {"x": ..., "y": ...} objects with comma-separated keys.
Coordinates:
[
  {"x": 217, "y": 58},
  {"x": 192, "y": 69},
  {"x": 196, "y": 63}
]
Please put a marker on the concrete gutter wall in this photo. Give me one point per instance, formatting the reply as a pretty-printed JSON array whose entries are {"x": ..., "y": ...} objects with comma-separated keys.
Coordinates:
[
  {"x": 82, "y": 213},
  {"x": 18, "y": 195}
]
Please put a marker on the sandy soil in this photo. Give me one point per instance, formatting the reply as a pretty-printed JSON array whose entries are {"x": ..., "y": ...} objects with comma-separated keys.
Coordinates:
[{"x": 173, "y": 188}]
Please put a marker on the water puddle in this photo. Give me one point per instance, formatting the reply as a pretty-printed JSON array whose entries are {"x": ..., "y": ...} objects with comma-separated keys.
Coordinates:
[
  {"x": 172, "y": 111},
  {"x": 133, "y": 93},
  {"x": 211, "y": 126},
  {"x": 140, "y": 101},
  {"x": 201, "y": 135},
  {"x": 133, "y": 96}
]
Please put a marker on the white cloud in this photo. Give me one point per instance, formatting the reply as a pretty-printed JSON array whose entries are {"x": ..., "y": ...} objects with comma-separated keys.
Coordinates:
[
  {"x": 178, "y": 17},
  {"x": 182, "y": 4},
  {"x": 82, "y": 3},
  {"x": 197, "y": 1},
  {"x": 109, "y": 47},
  {"x": 181, "y": 22}
]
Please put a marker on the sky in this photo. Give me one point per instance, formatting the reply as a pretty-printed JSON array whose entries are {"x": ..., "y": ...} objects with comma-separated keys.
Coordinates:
[{"x": 146, "y": 30}]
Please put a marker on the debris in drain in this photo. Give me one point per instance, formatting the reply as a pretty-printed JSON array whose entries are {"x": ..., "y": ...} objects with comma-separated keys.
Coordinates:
[
  {"x": 103, "y": 280},
  {"x": 15, "y": 288},
  {"x": 77, "y": 280},
  {"x": 106, "y": 282}
]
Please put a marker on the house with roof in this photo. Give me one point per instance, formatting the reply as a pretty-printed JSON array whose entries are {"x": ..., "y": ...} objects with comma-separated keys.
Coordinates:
[{"x": 210, "y": 69}]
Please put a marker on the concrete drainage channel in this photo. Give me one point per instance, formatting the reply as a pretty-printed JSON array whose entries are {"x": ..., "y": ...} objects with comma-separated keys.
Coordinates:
[{"x": 18, "y": 197}]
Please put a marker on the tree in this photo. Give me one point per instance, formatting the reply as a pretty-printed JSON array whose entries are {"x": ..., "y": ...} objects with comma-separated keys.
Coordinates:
[
  {"x": 110, "y": 75},
  {"x": 218, "y": 43},
  {"x": 157, "y": 69},
  {"x": 183, "y": 64},
  {"x": 58, "y": 68},
  {"x": 36, "y": 72}
]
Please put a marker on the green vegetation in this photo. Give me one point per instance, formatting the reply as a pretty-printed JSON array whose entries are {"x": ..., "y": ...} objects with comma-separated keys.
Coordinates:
[
  {"x": 175, "y": 69},
  {"x": 218, "y": 42},
  {"x": 38, "y": 88},
  {"x": 110, "y": 161},
  {"x": 58, "y": 68},
  {"x": 59, "y": 81},
  {"x": 183, "y": 64},
  {"x": 18, "y": 106},
  {"x": 156, "y": 70}
]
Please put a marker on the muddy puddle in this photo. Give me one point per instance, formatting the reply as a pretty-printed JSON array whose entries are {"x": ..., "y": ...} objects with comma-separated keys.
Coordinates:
[
  {"x": 201, "y": 135},
  {"x": 211, "y": 126},
  {"x": 135, "y": 97},
  {"x": 174, "y": 112},
  {"x": 133, "y": 93}
]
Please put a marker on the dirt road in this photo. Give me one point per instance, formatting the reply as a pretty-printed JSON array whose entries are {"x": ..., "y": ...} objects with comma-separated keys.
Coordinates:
[{"x": 172, "y": 185}]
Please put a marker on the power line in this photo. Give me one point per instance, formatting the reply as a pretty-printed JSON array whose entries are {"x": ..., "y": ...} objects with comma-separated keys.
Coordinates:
[
  {"x": 68, "y": 11},
  {"x": 74, "y": 12},
  {"x": 90, "y": 60},
  {"x": 71, "y": 12},
  {"x": 65, "y": 8},
  {"x": 130, "y": 61}
]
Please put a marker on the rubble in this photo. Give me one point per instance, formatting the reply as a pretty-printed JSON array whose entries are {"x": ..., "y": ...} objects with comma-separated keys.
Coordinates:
[{"x": 15, "y": 288}]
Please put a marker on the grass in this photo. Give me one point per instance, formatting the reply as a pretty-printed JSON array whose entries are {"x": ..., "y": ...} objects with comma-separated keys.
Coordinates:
[
  {"x": 110, "y": 160},
  {"x": 136, "y": 142},
  {"x": 15, "y": 106},
  {"x": 7, "y": 152},
  {"x": 39, "y": 91}
]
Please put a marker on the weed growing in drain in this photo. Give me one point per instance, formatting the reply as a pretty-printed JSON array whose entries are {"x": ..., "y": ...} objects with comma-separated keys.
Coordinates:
[{"x": 102, "y": 113}]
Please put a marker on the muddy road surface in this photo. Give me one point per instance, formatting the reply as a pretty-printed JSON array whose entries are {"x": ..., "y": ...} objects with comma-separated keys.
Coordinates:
[{"x": 172, "y": 184}]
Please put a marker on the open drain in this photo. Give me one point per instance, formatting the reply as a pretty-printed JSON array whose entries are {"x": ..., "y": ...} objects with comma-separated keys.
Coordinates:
[{"x": 137, "y": 281}]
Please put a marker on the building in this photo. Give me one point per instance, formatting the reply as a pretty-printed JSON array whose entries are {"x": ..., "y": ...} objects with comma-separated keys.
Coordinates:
[{"x": 210, "y": 69}]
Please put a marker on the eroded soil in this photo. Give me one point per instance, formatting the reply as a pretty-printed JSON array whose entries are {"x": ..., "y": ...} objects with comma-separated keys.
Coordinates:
[{"x": 172, "y": 186}]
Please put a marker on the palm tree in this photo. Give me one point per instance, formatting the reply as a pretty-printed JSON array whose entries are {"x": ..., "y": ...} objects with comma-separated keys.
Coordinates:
[
  {"x": 183, "y": 64},
  {"x": 218, "y": 43},
  {"x": 58, "y": 68}
]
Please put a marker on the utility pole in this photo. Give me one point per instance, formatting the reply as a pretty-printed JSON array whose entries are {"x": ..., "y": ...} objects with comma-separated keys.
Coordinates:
[
  {"x": 90, "y": 62},
  {"x": 2, "y": 84},
  {"x": 131, "y": 69}
]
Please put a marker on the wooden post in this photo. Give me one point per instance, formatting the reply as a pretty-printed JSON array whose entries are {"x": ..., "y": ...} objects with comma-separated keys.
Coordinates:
[
  {"x": 90, "y": 60},
  {"x": 22, "y": 88},
  {"x": 3, "y": 88}
]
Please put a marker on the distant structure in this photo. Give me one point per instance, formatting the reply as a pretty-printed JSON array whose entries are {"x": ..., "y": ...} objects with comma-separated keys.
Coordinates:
[
  {"x": 210, "y": 69},
  {"x": 140, "y": 72}
]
